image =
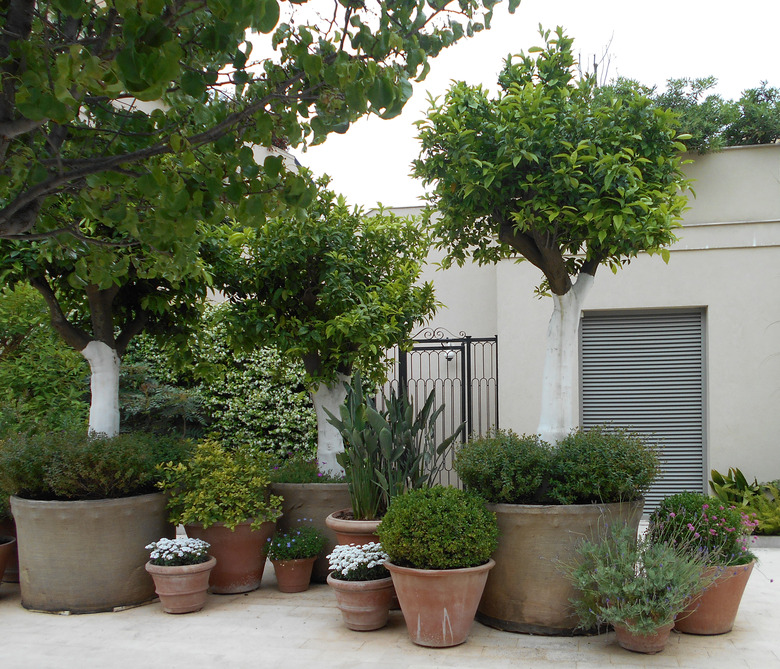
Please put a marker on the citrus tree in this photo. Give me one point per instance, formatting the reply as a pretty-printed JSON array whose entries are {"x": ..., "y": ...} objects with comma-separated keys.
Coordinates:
[{"x": 557, "y": 171}]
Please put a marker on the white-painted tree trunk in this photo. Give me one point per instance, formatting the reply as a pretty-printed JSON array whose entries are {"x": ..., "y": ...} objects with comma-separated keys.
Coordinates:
[
  {"x": 559, "y": 414},
  {"x": 104, "y": 383},
  {"x": 329, "y": 441}
]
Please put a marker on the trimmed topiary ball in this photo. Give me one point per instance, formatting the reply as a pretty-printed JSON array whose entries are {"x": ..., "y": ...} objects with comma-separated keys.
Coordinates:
[{"x": 438, "y": 528}]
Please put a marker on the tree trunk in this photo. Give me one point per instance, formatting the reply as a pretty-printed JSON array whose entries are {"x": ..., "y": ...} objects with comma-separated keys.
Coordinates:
[
  {"x": 329, "y": 441},
  {"x": 559, "y": 384},
  {"x": 104, "y": 384}
]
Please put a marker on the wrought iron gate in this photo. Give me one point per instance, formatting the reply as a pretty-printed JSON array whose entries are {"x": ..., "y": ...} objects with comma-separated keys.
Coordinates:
[{"x": 462, "y": 370}]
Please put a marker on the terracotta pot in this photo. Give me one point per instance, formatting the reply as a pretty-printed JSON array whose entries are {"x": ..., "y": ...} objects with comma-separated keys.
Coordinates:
[
  {"x": 240, "y": 554},
  {"x": 8, "y": 529},
  {"x": 533, "y": 541},
  {"x": 183, "y": 588},
  {"x": 293, "y": 575},
  {"x": 439, "y": 604},
  {"x": 643, "y": 643},
  {"x": 87, "y": 556},
  {"x": 715, "y": 610},
  {"x": 7, "y": 551},
  {"x": 350, "y": 531},
  {"x": 364, "y": 605},
  {"x": 311, "y": 503}
]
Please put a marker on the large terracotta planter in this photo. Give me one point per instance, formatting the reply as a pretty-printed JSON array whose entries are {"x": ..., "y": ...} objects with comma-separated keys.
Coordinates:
[
  {"x": 87, "y": 556},
  {"x": 364, "y": 605},
  {"x": 183, "y": 588},
  {"x": 350, "y": 531},
  {"x": 643, "y": 643},
  {"x": 240, "y": 555},
  {"x": 8, "y": 529},
  {"x": 293, "y": 575},
  {"x": 7, "y": 550},
  {"x": 439, "y": 604},
  {"x": 310, "y": 503},
  {"x": 715, "y": 610},
  {"x": 528, "y": 591}
]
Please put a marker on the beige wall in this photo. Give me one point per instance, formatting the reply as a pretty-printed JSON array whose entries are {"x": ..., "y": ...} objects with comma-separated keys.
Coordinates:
[{"x": 727, "y": 262}]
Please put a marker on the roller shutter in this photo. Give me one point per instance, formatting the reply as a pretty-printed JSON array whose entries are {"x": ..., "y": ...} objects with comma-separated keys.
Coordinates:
[{"x": 645, "y": 370}]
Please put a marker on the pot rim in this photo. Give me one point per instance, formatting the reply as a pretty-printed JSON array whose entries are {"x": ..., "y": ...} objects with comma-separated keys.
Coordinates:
[
  {"x": 181, "y": 568},
  {"x": 107, "y": 501},
  {"x": 6, "y": 539},
  {"x": 545, "y": 508},
  {"x": 481, "y": 567},
  {"x": 351, "y": 526},
  {"x": 372, "y": 584}
]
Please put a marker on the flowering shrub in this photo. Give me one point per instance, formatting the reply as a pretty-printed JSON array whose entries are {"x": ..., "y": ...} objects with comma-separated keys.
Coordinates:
[
  {"x": 178, "y": 551},
  {"x": 305, "y": 542},
  {"x": 358, "y": 563},
  {"x": 703, "y": 524}
]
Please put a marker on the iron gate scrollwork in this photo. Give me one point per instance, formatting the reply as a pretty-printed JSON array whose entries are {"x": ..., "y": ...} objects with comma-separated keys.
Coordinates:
[{"x": 463, "y": 371}]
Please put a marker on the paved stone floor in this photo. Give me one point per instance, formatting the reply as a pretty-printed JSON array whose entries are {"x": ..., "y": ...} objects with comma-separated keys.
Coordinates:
[{"x": 267, "y": 629}]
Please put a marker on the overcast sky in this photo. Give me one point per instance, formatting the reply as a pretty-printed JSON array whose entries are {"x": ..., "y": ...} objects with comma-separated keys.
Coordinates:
[{"x": 651, "y": 41}]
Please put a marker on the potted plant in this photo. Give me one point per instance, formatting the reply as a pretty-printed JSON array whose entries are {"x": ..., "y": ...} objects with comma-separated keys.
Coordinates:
[
  {"x": 386, "y": 452},
  {"x": 637, "y": 585},
  {"x": 293, "y": 554},
  {"x": 546, "y": 497},
  {"x": 8, "y": 529},
  {"x": 308, "y": 493},
  {"x": 84, "y": 507},
  {"x": 221, "y": 496},
  {"x": 439, "y": 542},
  {"x": 7, "y": 551},
  {"x": 180, "y": 568},
  {"x": 362, "y": 584},
  {"x": 703, "y": 524}
]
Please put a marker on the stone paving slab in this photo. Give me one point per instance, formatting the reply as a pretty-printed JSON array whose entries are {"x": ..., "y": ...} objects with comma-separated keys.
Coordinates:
[{"x": 266, "y": 629}]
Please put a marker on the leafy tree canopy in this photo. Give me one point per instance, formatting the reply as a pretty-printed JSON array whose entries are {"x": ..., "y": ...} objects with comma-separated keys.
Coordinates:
[{"x": 567, "y": 174}]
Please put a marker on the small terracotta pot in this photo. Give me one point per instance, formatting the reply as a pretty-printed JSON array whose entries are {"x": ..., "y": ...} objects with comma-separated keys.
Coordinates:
[
  {"x": 293, "y": 575},
  {"x": 439, "y": 604},
  {"x": 643, "y": 643},
  {"x": 350, "y": 531},
  {"x": 364, "y": 605},
  {"x": 7, "y": 552},
  {"x": 8, "y": 529},
  {"x": 183, "y": 588},
  {"x": 240, "y": 555},
  {"x": 715, "y": 610}
]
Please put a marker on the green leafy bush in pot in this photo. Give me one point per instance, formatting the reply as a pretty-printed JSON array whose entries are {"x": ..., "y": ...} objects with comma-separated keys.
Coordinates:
[
  {"x": 305, "y": 541},
  {"x": 69, "y": 465},
  {"x": 601, "y": 464},
  {"x": 438, "y": 528},
  {"x": 703, "y": 524},
  {"x": 505, "y": 468},
  {"x": 300, "y": 468},
  {"x": 220, "y": 485}
]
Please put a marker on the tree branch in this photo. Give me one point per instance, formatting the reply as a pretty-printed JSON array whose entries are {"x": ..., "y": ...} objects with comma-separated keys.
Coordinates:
[{"x": 73, "y": 336}]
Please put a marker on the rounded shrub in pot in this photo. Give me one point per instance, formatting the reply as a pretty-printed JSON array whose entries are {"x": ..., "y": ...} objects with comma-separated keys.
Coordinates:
[
  {"x": 85, "y": 507},
  {"x": 545, "y": 499}
]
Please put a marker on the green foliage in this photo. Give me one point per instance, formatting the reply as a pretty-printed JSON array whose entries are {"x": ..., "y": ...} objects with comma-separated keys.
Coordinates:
[
  {"x": 633, "y": 582},
  {"x": 43, "y": 383},
  {"x": 602, "y": 464},
  {"x": 759, "y": 500},
  {"x": 305, "y": 541},
  {"x": 703, "y": 524},
  {"x": 387, "y": 452},
  {"x": 218, "y": 485},
  {"x": 438, "y": 528},
  {"x": 334, "y": 289},
  {"x": 569, "y": 175},
  {"x": 505, "y": 468},
  {"x": 67, "y": 465},
  {"x": 299, "y": 468}
]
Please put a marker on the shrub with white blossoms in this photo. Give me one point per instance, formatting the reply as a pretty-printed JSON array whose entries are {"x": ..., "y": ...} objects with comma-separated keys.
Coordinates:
[
  {"x": 178, "y": 551},
  {"x": 358, "y": 563}
]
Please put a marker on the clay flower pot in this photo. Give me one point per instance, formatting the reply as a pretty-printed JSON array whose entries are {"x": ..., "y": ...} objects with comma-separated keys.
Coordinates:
[
  {"x": 439, "y": 604},
  {"x": 7, "y": 551},
  {"x": 240, "y": 554},
  {"x": 715, "y": 610},
  {"x": 643, "y": 643},
  {"x": 351, "y": 531},
  {"x": 8, "y": 529},
  {"x": 293, "y": 575},
  {"x": 183, "y": 588},
  {"x": 364, "y": 605}
]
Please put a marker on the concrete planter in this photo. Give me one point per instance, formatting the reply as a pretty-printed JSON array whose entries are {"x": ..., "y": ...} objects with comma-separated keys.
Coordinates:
[
  {"x": 527, "y": 590},
  {"x": 312, "y": 502},
  {"x": 87, "y": 556}
]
